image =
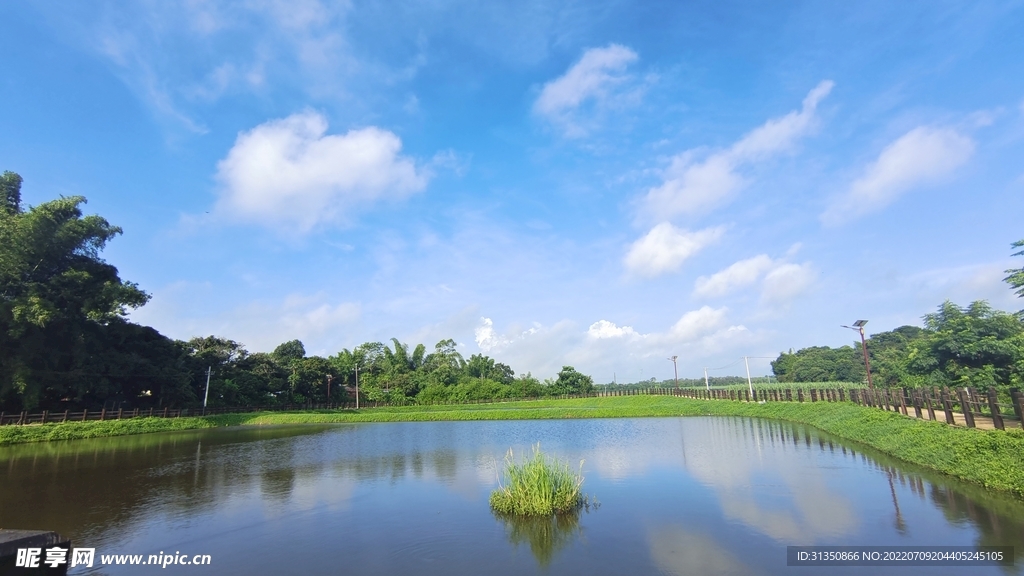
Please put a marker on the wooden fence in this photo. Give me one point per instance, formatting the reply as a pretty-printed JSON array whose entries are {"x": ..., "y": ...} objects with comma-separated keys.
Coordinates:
[{"x": 962, "y": 406}]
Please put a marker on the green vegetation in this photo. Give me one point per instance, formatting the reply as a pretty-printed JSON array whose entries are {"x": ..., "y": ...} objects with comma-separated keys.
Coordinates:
[
  {"x": 973, "y": 346},
  {"x": 80, "y": 430},
  {"x": 539, "y": 486},
  {"x": 990, "y": 458}
]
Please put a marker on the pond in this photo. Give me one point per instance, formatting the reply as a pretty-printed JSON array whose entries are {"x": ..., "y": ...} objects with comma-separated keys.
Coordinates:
[{"x": 697, "y": 495}]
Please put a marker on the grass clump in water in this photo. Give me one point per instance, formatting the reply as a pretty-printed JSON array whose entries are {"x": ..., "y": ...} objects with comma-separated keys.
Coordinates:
[{"x": 539, "y": 486}]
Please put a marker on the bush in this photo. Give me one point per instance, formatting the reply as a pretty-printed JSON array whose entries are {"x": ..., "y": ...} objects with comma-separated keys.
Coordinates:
[{"x": 540, "y": 486}]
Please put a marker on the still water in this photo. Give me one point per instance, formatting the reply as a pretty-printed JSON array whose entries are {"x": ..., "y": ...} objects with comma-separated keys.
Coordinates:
[{"x": 677, "y": 496}]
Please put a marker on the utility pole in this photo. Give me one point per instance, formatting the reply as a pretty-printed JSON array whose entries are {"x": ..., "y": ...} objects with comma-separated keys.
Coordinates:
[
  {"x": 706, "y": 383},
  {"x": 675, "y": 370},
  {"x": 206, "y": 395},
  {"x": 859, "y": 327},
  {"x": 749, "y": 385}
]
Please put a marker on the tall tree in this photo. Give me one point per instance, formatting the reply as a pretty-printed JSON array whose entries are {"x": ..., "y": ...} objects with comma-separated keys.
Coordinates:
[
  {"x": 572, "y": 382},
  {"x": 1016, "y": 275},
  {"x": 53, "y": 288}
]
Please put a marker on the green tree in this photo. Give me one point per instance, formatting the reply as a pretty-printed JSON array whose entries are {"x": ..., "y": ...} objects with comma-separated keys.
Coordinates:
[
  {"x": 1016, "y": 275},
  {"x": 288, "y": 352},
  {"x": 975, "y": 346},
  {"x": 308, "y": 379},
  {"x": 480, "y": 366},
  {"x": 54, "y": 289},
  {"x": 10, "y": 193},
  {"x": 570, "y": 381}
]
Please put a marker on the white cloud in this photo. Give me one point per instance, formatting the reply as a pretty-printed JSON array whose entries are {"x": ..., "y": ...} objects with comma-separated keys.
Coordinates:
[
  {"x": 924, "y": 156},
  {"x": 594, "y": 78},
  {"x": 698, "y": 324},
  {"x": 692, "y": 186},
  {"x": 605, "y": 347},
  {"x": 665, "y": 248},
  {"x": 290, "y": 173},
  {"x": 781, "y": 281},
  {"x": 605, "y": 329},
  {"x": 740, "y": 274},
  {"x": 786, "y": 282}
]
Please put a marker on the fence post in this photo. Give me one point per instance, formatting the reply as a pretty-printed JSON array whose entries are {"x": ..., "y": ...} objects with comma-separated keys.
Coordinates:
[
  {"x": 947, "y": 405},
  {"x": 103, "y": 414},
  {"x": 45, "y": 414},
  {"x": 118, "y": 413},
  {"x": 927, "y": 395},
  {"x": 965, "y": 404},
  {"x": 842, "y": 395},
  {"x": 800, "y": 394},
  {"x": 64, "y": 420},
  {"x": 974, "y": 397},
  {"x": 85, "y": 413},
  {"x": 814, "y": 395},
  {"x": 993, "y": 405},
  {"x": 1015, "y": 399}
]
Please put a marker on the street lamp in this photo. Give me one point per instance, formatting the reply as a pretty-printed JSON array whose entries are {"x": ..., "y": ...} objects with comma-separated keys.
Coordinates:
[
  {"x": 859, "y": 327},
  {"x": 675, "y": 370},
  {"x": 357, "y": 386}
]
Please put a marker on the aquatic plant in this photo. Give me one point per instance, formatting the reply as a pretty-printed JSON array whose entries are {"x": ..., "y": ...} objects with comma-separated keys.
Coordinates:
[{"x": 539, "y": 486}]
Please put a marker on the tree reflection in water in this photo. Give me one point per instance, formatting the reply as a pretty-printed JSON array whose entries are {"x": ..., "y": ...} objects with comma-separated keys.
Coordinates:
[{"x": 545, "y": 535}]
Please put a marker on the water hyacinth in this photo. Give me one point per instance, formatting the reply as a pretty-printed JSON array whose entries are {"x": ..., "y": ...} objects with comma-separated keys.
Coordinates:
[{"x": 539, "y": 486}]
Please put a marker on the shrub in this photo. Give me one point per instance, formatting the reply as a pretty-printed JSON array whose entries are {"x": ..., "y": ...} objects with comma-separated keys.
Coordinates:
[{"x": 540, "y": 486}]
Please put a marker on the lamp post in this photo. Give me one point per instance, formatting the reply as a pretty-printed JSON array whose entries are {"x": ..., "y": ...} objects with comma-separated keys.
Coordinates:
[
  {"x": 357, "y": 386},
  {"x": 329, "y": 378},
  {"x": 859, "y": 327},
  {"x": 675, "y": 370}
]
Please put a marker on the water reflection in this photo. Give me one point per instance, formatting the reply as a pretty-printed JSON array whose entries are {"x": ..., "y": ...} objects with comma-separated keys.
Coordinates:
[
  {"x": 685, "y": 553},
  {"x": 545, "y": 535},
  {"x": 781, "y": 495},
  {"x": 679, "y": 495}
]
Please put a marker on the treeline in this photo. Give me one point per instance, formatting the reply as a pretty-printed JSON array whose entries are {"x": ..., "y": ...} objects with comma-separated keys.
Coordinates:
[
  {"x": 65, "y": 342},
  {"x": 958, "y": 346}
]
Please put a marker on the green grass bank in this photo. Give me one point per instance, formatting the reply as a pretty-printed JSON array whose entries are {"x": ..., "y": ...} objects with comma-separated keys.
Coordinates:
[{"x": 993, "y": 459}]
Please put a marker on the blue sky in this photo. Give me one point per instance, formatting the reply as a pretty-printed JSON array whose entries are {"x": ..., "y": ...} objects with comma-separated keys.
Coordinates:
[{"x": 596, "y": 184}]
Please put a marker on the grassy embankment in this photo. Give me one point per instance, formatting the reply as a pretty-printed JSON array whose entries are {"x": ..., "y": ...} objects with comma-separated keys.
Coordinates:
[{"x": 994, "y": 459}]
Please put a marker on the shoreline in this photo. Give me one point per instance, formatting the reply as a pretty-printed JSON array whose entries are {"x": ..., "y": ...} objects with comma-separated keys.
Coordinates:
[{"x": 993, "y": 459}]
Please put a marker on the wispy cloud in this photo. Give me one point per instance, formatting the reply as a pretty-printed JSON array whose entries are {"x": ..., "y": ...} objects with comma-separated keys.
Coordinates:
[
  {"x": 780, "y": 281},
  {"x": 741, "y": 274},
  {"x": 786, "y": 282},
  {"x": 665, "y": 248},
  {"x": 180, "y": 57},
  {"x": 596, "y": 78},
  {"x": 924, "y": 156},
  {"x": 693, "y": 185},
  {"x": 291, "y": 173}
]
